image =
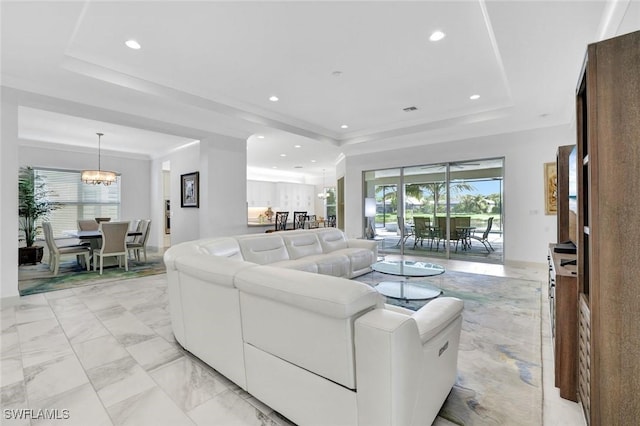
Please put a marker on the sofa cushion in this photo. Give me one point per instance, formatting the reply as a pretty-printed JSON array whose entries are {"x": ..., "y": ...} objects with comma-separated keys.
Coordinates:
[
  {"x": 337, "y": 265},
  {"x": 223, "y": 247},
  {"x": 263, "y": 249},
  {"x": 304, "y": 264},
  {"x": 331, "y": 239},
  {"x": 301, "y": 244}
]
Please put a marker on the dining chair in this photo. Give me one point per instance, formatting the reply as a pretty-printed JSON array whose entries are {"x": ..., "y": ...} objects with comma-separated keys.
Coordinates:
[
  {"x": 139, "y": 242},
  {"x": 134, "y": 226},
  {"x": 87, "y": 225},
  {"x": 103, "y": 219},
  {"x": 299, "y": 220},
  {"x": 312, "y": 221},
  {"x": 281, "y": 221},
  {"x": 114, "y": 243},
  {"x": 56, "y": 252}
]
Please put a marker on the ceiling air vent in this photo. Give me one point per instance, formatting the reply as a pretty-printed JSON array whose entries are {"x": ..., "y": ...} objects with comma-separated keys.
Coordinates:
[{"x": 409, "y": 109}]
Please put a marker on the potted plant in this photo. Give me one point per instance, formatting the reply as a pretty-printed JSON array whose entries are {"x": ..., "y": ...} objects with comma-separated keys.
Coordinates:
[{"x": 33, "y": 204}]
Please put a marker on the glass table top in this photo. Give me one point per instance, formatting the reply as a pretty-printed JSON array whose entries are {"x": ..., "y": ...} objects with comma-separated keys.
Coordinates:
[
  {"x": 408, "y": 291},
  {"x": 408, "y": 268}
]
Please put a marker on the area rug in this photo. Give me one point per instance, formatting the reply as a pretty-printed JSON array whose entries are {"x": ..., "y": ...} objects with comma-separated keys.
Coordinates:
[
  {"x": 499, "y": 364},
  {"x": 38, "y": 278}
]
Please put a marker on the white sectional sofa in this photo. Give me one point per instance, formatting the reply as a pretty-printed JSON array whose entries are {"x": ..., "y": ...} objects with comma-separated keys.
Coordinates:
[{"x": 273, "y": 313}]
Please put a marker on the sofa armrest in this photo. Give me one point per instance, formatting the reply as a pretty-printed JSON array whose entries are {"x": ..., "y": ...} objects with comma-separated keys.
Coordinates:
[
  {"x": 365, "y": 244},
  {"x": 441, "y": 312},
  {"x": 359, "y": 243},
  {"x": 406, "y": 363},
  {"x": 179, "y": 250}
]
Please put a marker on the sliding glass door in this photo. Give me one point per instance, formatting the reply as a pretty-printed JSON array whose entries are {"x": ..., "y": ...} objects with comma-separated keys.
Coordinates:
[{"x": 451, "y": 210}]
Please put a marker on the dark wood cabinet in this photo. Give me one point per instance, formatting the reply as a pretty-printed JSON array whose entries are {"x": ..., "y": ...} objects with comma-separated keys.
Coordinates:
[
  {"x": 563, "y": 305},
  {"x": 608, "y": 142}
]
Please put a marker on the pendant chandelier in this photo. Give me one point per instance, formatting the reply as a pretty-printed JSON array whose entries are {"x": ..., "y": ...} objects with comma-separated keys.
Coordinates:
[
  {"x": 99, "y": 176},
  {"x": 324, "y": 194}
]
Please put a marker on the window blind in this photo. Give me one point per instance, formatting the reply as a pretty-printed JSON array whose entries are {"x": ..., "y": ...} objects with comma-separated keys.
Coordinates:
[{"x": 78, "y": 200}]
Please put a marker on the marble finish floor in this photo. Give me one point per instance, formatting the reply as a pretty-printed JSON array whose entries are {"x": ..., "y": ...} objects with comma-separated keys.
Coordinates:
[{"x": 106, "y": 354}]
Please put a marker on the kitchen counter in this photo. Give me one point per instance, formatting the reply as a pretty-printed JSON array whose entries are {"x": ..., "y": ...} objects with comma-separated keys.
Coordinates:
[{"x": 265, "y": 224}]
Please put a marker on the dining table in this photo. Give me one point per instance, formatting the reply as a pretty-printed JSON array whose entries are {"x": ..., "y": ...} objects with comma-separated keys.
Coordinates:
[{"x": 94, "y": 238}]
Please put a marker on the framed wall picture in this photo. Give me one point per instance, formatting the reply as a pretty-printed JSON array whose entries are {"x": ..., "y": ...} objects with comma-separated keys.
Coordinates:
[
  {"x": 190, "y": 190},
  {"x": 550, "y": 189}
]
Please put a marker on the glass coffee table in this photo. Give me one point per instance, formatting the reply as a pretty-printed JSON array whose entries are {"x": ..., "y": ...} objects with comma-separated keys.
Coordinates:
[{"x": 405, "y": 290}]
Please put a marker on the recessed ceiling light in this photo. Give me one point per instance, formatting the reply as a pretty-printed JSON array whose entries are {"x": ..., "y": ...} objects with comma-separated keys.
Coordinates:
[
  {"x": 132, "y": 44},
  {"x": 344, "y": 126},
  {"x": 313, "y": 161},
  {"x": 297, "y": 146},
  {"x": 274, "y": 99},
  {"x": 474, "y": 97},
  {"x": 260, "y": 136},
  {"x": 274, "y": 167},
  {"x": 283, "y": 155},
  {"x": 297, "y": 167},
  {"x": 436, "y": 36}
]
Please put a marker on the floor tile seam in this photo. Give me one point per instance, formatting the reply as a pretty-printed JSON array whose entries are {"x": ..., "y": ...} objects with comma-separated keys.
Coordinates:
[
  {"x": 186, "y": 413},
  {"x": 133, "y": 358},
  {"x": 75, "y": 353},
  {"x": 156, "y": 385}
]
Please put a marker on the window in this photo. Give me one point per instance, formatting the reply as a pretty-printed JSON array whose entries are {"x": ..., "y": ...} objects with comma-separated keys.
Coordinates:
[
  {"x": 79, "y": 200},
  {"x": 330, "y": 205},
  {"x": 459, "y": 205}
]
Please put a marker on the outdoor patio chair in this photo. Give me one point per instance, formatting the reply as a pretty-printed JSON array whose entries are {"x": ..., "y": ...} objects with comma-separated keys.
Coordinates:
[
  {"x": 422, "y": 230},
  {"x": 484, "y": 239}
]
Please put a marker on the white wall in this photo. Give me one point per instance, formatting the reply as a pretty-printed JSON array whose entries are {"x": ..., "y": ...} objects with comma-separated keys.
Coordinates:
[
  {"x": 9, "y": 197},
  {"x": 528, "y": 231},
  {"x": 223, "y": 186},
  {"x": 221, "y": 162},
  {"x": 185, "y": 222}
]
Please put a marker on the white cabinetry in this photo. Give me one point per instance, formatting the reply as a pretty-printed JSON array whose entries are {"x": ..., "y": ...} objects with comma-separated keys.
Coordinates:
[
  {"x": 281, "y": 196},
  {"x": 261, "y": 194},
  {"x": 295, "y": 197}
]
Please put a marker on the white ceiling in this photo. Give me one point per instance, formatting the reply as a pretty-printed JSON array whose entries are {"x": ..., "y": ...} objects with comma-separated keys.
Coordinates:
[{"x": 209, "y": 67}]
